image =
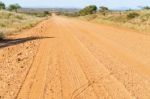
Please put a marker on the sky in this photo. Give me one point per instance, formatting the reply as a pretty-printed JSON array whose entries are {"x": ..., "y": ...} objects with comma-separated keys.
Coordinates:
[{"x": 114, "y": 4}]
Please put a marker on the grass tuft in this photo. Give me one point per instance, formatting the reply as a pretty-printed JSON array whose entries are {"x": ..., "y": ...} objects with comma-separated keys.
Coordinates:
[{"x": 2, "y": 36}]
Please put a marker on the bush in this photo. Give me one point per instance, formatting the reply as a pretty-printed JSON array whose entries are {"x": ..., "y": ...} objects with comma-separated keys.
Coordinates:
[
  {"x": 83, "y": 12},
  {"x": 91, "y": 9},
  {"x": 46, "y": 12},
  {"x": 75, "y": 14},
  {"x": 2, "y": 36},
  {"x": 39, "y": 14},
  {"x": 132, "y": 15}
]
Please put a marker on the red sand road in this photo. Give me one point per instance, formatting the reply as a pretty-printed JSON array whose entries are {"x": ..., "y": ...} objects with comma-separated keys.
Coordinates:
[{"x": 67, "y": 58}]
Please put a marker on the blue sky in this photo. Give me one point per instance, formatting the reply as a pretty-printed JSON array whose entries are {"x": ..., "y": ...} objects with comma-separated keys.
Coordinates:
[{"x": 80, "y": 3}]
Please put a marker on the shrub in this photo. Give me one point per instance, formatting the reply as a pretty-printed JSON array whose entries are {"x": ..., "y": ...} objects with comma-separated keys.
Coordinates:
[
  {"x": 91, "y": 9},
  {"x": 46, "y": 12},
  {"x": 2, "y": 36},
  {"x": 83, "y": 12},
  {"x": 40, "y": 15},
  {"x": 132, "y": 15},
  {"x": 75, "y": 14}
]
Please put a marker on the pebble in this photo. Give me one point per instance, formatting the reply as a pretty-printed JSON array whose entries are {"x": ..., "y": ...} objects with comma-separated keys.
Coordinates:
[{"x": 19, "y": 59}]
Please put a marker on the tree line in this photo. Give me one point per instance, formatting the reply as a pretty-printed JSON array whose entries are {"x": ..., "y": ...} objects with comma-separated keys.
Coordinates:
[
  {"x": 11, "y": 7},
  {"x": 91, "y": 9}
]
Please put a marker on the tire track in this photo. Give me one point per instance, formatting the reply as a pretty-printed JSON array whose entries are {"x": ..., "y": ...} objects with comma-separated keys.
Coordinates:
[{"x": 80, "y": 63}]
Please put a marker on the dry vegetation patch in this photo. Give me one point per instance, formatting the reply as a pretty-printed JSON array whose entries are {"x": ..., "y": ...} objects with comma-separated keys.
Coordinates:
[
  {"x": 137, "y": 20},
  {"x": 11, "y": 22}
]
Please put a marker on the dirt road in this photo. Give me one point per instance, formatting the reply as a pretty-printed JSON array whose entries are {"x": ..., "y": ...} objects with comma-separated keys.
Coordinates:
[{"x": 72, "y": 59}]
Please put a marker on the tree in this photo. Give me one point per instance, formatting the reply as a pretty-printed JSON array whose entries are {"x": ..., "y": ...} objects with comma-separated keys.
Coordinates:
[
  {"x": 14, "y": 7},
  {"x": 103, "y": 10},
  {"x": 2, "y": 5},
  {"x": 91, "y": 9},
  {"x": 146, "y": 8}
]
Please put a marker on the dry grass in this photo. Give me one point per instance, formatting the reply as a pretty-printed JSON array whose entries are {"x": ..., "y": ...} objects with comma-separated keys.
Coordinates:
[
  {"x": 139, "y": 23},
  {"x": 11, "y": 22},
  {"x": 2, "y": 36}
]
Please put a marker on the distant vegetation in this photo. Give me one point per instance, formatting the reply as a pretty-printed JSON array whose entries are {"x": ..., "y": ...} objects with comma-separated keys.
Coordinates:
[
  {"x": 14, "y": 7},
  {"x": 88, "y": 10},
  {"x": 39, "y": 14},
  {"x": 134, "y": 19},
  {"x": 17, "y": 8},
  {"x": 146, "y": 8},
  {"x": 103, "y": 10}
]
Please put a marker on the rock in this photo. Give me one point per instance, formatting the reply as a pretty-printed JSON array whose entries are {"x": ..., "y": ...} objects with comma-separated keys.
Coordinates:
[
  {"x": 19, "y": 59},
  {"x": 19, "y": 53},
  {"x": 22, "y": 66}
]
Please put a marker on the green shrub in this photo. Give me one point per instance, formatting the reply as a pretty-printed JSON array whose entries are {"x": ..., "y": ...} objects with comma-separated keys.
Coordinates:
[
  {"x": 2, "y": 36},
  {"x": 132, "y": 15},
  {"x": 83, "y": 12},
  {"x": 75, "y": 14},
  {"x": 91, "y": 9},
  {"x": 40, "y": 14},
  {"x": 46, "y": 12}
]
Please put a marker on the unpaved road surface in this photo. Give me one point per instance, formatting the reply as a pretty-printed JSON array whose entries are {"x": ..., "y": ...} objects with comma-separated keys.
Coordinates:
[{"x": 65, "y": 58}]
